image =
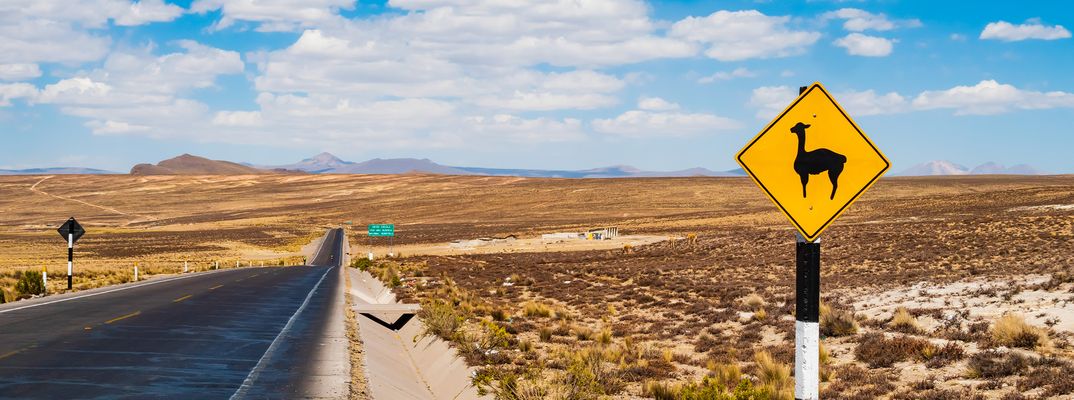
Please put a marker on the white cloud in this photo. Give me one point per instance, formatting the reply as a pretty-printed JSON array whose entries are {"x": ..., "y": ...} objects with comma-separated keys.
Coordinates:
[
  {"x": 656, "y": 104},
  {"x": 138, "y": 93},
  {"x": 868, "y": 102},
  {"x": 19, "y": 71},
  {"x": 146, "y": 11},
  {"x": 27, "y": 40},
  {"x": 274, "y": 15},
  {"x": 1033, "y": 29},
  {"x": 985, "y": 98},
  {"x": 674, "y": 124},
  {"x": 858, "y": 20},
  {"x": 864, "y": 45},
  {"x": 741, "y": 35},
  {"x": 991, "y": 97},
  {"x": 33, "y": 31},
  {"x": 110, "y": 127},
  {"x": 11, "y": 91},
  {"x": 740, "y": 72},
  {"x": 771, "y": 100},
  {"x": 237, "y": 118}
]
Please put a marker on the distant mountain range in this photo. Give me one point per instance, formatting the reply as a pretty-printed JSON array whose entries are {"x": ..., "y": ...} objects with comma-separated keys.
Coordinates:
[
  {"x": 941, "y": 167},
  {"x": 326, "y": 163},
  {"x": 56, "y": 171}
]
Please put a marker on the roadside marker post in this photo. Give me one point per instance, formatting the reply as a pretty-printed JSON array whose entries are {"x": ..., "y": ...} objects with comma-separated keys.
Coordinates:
[
  {"x": 136, "y": 272},
  {"x": 781, "y": 166},
  {"x": 44, "y": 278},
  {"x": 71, "y": 231},
  {"x": 186, "y": 267}
]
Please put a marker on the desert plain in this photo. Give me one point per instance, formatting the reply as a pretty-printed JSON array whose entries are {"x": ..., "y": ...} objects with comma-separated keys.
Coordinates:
[{"x": 933, "y": 287}]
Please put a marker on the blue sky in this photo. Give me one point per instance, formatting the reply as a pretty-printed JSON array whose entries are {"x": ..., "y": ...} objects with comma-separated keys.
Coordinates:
[{"x": 659, "y": 85}]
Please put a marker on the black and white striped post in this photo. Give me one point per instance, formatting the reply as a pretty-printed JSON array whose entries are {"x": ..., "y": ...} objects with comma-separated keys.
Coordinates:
[
  {"x": 70, "y": 258},
  {"x": 71, "y": 231},
  {"x": 807, "y": 315}
]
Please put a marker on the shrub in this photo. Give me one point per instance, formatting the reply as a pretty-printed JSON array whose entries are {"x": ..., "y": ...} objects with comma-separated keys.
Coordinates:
[
  {"x": 660, "y": 390},
  {"x": 605, "y": 337},
  {"x": 726, "y": 374},
  {"x": 583, "y": 333},
  {"x": 753, "y": 301},
  {"x": 879, "y": 352},
  {"x": 1012, "y": 330},
  {"x": 533, "y": 309},
  {"x": 770, "y": 371},
  {"x": 441, "y": 319},
  {"x": 362, "y": 264},
  {"x": 710, "y": 388},
  {"x": 30, "y": 284},
  {"x": 546, "y": 334},
  {"x": 494, "y": 336},
  {"x": 760, "y": 315},
  {"x": 997, "y": 364},
  {"x": 945, "y": 355},
  {"x": 837, "y": 323},
  {"x": 589, "y": 377},
  {"x": 499, "y": 314},
  {"x": 903, "y": 321}
]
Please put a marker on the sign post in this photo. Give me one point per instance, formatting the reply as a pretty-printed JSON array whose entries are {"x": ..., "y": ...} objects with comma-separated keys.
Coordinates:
[
  {"x": 71, "y": 231},
  {"x": 381, "y": 230},
  {"x": 845, "y": 163}
]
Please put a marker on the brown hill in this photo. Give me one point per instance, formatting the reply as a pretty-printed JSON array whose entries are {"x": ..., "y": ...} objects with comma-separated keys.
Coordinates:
[{"x": 187, "y": 164}]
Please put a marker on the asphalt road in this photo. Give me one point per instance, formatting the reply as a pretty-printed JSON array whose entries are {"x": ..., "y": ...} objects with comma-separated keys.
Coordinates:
[{"x": 213, "y": 335}]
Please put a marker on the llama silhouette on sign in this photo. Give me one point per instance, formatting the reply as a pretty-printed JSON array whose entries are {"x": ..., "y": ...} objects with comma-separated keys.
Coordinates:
[{"x": 814, "y": 162}]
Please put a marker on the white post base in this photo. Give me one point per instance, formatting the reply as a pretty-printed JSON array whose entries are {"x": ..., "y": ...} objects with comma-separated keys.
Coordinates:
[
  {"x": 806, "y": 360},
  {"x": 371, "y": 256}
]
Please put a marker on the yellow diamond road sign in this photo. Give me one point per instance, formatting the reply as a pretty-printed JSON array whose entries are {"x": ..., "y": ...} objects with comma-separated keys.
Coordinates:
[{"x": 813, "y": 161}]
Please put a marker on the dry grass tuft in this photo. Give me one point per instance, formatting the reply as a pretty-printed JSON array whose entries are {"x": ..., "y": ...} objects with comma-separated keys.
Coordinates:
[
  {"x": 903, "y": 321},
  {"x": 1011, "y": 330},
  {"x": 760, "y": 315},
  {"x": 772, "y": 372},
  {"x": 753, "y": 301},
  {"x": 837, "y": 323},
  {"x": 538, "y": 310}
]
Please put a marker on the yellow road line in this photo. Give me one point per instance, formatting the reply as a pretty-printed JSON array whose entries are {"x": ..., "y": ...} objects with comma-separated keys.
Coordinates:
[
  {"x": 14, "y": 352},
  {"x": 10, "y": 353},
  {"x": 182, "y": 298},
  {"x": 216, "y": 287},
  {"x": 122, "y": 317}
]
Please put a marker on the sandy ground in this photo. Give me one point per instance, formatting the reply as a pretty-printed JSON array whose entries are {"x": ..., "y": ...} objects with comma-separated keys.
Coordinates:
[{"x": 521, "y": 245}]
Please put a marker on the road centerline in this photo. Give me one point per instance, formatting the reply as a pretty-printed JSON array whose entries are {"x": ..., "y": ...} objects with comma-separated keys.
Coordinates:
[{"x": 122, "y": 317}]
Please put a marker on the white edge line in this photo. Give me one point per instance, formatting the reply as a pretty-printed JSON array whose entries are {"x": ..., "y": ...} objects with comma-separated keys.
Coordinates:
[
  {"x": 252, "y": 376},
  {"x": 138, "y": 285}
]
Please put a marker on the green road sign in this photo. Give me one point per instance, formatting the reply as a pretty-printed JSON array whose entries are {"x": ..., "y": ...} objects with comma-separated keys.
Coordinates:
[{"x": 382, "y": 230}]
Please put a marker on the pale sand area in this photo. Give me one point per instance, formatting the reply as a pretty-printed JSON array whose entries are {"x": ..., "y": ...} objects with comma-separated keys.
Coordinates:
[
  {"x": 520, "y": 245},
  {"x": 986, "y": 299}
]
